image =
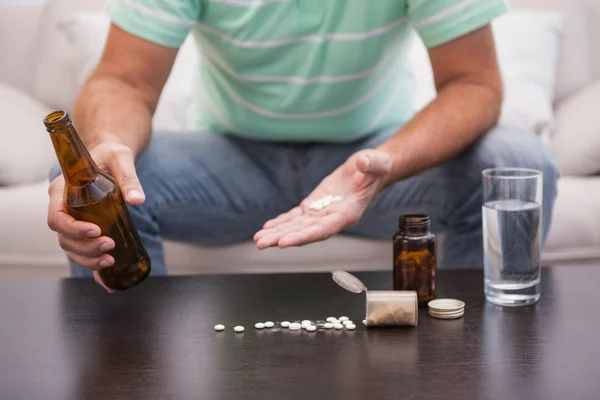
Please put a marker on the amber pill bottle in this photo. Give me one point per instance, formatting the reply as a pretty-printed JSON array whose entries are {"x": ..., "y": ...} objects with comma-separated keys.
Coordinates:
[{"x": 415, "y": 262}]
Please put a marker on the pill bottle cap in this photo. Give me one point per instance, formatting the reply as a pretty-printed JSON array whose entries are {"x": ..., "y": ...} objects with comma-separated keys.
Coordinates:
[{"x": 348, "y": 281}]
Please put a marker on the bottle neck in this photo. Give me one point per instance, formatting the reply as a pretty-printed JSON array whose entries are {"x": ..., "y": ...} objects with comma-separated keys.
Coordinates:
[
  {"x": 415, "y": 224},
  {"x": 76, "y": 164}
]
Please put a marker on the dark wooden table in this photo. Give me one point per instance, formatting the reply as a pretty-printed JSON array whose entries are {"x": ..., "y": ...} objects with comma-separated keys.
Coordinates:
[{"x": 70, "y": 340}]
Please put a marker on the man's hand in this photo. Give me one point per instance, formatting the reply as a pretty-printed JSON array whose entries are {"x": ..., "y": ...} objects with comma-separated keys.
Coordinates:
[
  {"x": 81, "y": 240},
  {"x": 357, "y": 181}
]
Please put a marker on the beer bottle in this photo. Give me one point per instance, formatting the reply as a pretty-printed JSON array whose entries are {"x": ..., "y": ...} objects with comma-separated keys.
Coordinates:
[{"x": 92, "y": 195}]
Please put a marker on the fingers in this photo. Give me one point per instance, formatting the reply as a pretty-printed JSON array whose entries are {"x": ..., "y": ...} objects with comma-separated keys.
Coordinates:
[
  {"x": 373, "y": 162},
  {"x": 99, "y": 282},
  {"x": 283, "y": 217},
  {"x": 121, "y": 163},
  {"x": 270, "y": 237},
  {"x": 61, "y": 222},
  {"x": 90, "y": 248},
  {"x": 91, "y": 263},
  {"x": 322, "y": 229}
]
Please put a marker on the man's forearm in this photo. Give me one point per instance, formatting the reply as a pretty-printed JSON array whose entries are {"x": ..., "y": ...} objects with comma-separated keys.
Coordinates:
[
  {"x": 462, "y": 112},
  {"x": 108, "y": 109}
]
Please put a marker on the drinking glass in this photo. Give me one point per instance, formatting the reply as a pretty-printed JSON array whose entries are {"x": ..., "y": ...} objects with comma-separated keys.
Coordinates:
[{"x": 512, "y": 205}]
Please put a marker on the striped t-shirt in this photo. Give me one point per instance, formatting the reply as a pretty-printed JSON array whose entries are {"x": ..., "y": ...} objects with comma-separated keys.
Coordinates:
[{"x": 302, "y": 70}]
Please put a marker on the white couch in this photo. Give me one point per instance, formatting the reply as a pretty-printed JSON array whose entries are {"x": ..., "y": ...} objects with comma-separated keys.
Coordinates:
[{"x": 38, "y": 73}]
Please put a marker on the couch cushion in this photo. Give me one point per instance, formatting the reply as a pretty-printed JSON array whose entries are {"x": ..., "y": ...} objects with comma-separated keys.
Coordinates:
[
  {"x": 53, "y": 81},
  {"x": 86, "y": 33},
  {"x": 527, "y": 46},
  {"x": 26, "y": 152},
  {"x": 575, "y": 62},
  {"x": 576, "y": 142}
]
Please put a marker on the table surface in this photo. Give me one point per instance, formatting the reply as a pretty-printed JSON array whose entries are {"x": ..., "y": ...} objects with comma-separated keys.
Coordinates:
[{"x": 70, "y": 340}]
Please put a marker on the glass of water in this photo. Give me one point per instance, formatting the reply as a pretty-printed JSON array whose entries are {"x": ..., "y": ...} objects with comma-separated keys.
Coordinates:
[{"x": 512, "y": 205}]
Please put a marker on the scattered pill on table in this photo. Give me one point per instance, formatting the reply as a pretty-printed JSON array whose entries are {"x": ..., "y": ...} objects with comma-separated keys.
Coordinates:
[
  {"x": 338, "y": 326},
  {"x": 311, "y": 328},
  {"x": 295, "y": 326},
  {"x": 347, "y": 322},
  {"x": 306, "y": 322},
  {"x": 328, "y": 325},
  {"x": 259, "y": 325},
  {"x": 331, "y": 319},
  {"x": 365, "y": 322},
  {"x": 239, "y": 329},
  {"x": 219, "y": 327},
  {"x": 269, "y": 324},
  {"x": 342, "y": 319},
  {"x": 285, "y": 324},
  {"x": 350, "y": 326}
]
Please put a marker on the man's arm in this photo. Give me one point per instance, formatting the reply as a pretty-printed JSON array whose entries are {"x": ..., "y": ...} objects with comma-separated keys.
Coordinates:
[
  {"x": 468, "y": 104},
  {"x": 117, "y": 102}
]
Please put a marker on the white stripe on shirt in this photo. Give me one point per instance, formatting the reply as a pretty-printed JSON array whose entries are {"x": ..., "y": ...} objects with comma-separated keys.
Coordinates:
[
  {"x": 298, "y": 80},
  {"x": 321, "y": 114},
  {"x": 309, "y": 38}
]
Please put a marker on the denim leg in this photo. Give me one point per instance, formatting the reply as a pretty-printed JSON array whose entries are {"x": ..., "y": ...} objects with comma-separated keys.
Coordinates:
[
  {"x": 451, "y": 193},
  {"x": 207, "y": 189}
]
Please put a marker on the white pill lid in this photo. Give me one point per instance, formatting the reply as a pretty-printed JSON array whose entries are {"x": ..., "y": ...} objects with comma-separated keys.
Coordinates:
[
  {"x": 446, "y": 305},
  {"x": 348, "y": 281}
]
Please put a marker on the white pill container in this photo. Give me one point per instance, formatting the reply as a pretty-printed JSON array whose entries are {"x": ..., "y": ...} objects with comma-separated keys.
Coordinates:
[{"x": 383, "y": 307}]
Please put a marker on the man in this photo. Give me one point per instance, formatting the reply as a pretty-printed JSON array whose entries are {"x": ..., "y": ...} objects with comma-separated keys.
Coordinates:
[{"x": 297, "y": 99}]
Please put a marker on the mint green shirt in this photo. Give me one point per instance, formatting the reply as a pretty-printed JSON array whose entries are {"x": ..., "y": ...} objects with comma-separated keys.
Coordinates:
[{"x": 302, "y": 70}]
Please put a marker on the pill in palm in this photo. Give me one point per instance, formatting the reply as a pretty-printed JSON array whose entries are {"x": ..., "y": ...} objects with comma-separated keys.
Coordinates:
[
  {"x": 239, "y": 329},
  {"x": 259, "y": 325},
  {"x": 285, "y": 324},
  {"x": 324, "y": 202},
  {"x": 269, "y": 324},
  {"x": 338, "y": 326},
  {"x": 219, "y": 327}
]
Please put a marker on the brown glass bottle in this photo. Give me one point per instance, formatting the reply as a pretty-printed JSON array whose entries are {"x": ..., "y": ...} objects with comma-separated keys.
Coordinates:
[
  {"x": 92, "y": 195},
  {"x": 414, "y": 257}
]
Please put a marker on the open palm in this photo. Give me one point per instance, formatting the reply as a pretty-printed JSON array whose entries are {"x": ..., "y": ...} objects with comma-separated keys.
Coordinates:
[{"x": 357, "y": 182}]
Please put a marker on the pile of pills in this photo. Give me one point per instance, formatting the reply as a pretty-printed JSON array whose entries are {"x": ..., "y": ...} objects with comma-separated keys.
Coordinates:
[
  {"x": 307, "y": 325},
  {"x": 324, "y": 202}
]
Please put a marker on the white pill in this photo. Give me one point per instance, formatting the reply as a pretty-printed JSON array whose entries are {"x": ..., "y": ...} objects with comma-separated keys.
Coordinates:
[
  {"x": 306, "y": 322},
  {"x": 269, "y": 324},
  {"x": 285, "y": 324},
  {"x": 239, "y": 329},
  {"x": 295, "y": 326},
  {"x": 328, "y": 325},
  {"x": 259, "y": 325},
  {"x": 347, "y": 322},
  {"x": 311, "y": 328},
  {"x": 336, "y": 321},
  {"x": 350, "y": 326},
  {"x": 331, "y": 319},
  {"x": 338, "y": 326},
  {"x": 365, "y": 322},
  {"x": 342, "y": 319},
  {"x": 219, "y": 327}
]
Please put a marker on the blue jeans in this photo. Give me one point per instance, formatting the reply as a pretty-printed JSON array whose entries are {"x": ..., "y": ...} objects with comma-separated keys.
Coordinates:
[{"x": 216, "y": 190}]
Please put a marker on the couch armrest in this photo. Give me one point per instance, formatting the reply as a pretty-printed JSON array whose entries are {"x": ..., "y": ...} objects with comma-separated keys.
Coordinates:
[{"x": 18, "y": 43}]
